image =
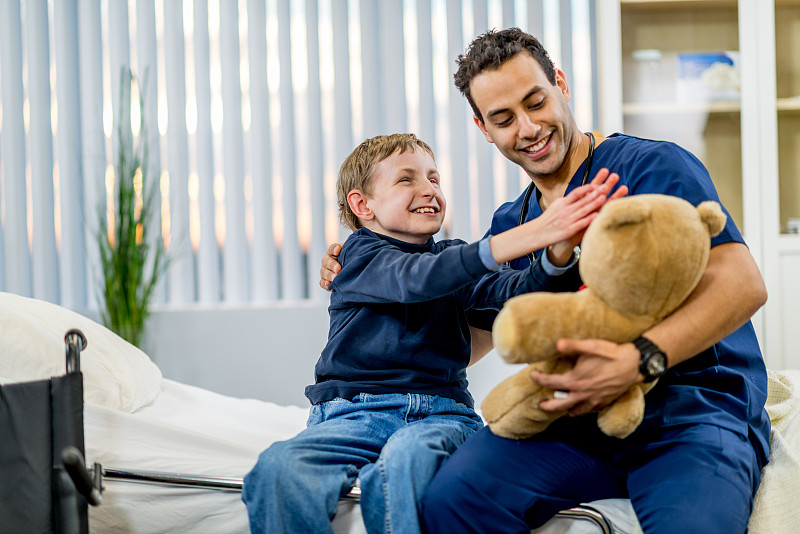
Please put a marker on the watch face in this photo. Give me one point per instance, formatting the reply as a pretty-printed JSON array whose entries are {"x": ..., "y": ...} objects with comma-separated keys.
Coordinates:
[
  {"x": 654, "y": 361},
  {"x": 656, "y": 364}
]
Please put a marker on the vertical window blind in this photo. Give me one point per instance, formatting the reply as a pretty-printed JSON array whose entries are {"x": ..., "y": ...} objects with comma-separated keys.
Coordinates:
[{"x": 250, "y": 108}]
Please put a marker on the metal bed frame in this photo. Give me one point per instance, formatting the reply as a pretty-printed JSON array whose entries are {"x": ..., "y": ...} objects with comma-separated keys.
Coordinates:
[
  {"x": 234, "y": 484},
  {"x": 89, "y": 482}
]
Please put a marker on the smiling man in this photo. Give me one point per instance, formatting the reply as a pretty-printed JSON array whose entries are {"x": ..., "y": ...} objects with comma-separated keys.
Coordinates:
[{"x": 694, "y": 463}]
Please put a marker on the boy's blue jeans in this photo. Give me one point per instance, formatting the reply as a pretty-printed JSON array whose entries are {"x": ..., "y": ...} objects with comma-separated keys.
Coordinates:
[{"x": 393, "y": 443}]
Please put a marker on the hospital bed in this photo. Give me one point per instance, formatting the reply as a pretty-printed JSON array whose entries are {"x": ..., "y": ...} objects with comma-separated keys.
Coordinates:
[{"x": 138, "y": 423}]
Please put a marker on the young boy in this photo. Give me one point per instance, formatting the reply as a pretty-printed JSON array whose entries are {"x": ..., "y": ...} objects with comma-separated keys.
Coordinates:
[{"x": 390, "y": 402}]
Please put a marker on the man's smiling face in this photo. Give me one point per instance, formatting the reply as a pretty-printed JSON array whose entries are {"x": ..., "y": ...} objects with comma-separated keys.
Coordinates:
[{"x": 526, "y": 116}]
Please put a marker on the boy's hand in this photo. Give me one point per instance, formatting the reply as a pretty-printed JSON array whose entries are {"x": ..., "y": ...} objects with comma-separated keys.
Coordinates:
[
  {"x": 606, "y": 180},
  {"x": 603, "y": 182},
  {"x": 330, "y": 266},
  {"x": 567, "y": 217}
]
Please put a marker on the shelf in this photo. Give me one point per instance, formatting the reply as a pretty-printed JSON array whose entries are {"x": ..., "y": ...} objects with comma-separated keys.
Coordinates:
[
  {"x": 656, "y": 108},
  {"x": 789, "y": 104},
  {"x": 660, "y": 108},
  {"x": 692, "y": 4},
  {"x": 789, "y": 244},
  {"x": 678, "y": 4}
]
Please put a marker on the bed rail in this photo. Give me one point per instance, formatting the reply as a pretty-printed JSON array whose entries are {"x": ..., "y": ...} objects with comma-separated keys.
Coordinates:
[
  {"x": 182, "y": 479},
  {"x": 587, "y": 513},
  {"x": 580, "y": 512},
  {"x": 175, "y": 479}
]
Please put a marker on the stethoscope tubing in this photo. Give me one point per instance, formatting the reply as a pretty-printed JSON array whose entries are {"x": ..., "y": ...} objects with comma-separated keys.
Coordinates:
[{"x": 523, "y": 211}]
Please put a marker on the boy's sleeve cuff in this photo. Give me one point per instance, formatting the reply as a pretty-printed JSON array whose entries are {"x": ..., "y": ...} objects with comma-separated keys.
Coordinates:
[
  {"x": 553, "y": 270},
  {"x": 485, "y": 254}
]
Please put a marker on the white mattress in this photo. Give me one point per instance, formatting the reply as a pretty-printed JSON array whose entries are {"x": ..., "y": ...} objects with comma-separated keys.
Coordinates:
[
  {"x": 195, "y": 431},
  {"x": 185, "y": 430}
]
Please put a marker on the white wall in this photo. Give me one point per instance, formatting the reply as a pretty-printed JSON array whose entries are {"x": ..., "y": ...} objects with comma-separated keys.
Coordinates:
[
  {"x": 265, "y": 352},
  {"x": 788, "y": 296},
  {"x": 268, "y": 351}
]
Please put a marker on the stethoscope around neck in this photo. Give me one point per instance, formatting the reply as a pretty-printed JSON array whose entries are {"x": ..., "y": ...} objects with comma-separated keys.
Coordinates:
[{"x": 523, "y": 211}]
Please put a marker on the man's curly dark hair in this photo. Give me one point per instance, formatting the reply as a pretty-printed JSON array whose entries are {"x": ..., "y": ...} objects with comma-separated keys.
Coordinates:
[{"x": 491, "y": 50}]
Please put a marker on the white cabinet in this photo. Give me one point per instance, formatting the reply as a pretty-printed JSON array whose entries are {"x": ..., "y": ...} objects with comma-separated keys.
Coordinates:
[{"x": 722, "y": 79}]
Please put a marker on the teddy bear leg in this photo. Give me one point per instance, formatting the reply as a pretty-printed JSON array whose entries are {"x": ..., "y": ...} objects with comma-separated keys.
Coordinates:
[
  {"x": 512, "y": 408},
  {"x": 622, "y": 417}
]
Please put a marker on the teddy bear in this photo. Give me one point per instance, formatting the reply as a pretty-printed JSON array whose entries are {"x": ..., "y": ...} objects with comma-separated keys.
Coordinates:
[{"x": 639, "y": 260}]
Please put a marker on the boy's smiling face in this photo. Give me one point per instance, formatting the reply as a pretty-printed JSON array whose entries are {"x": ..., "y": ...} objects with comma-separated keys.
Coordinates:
[{"x": 405, "y": 200}]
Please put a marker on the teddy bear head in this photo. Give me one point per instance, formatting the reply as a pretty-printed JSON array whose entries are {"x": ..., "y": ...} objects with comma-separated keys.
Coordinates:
[
  {"x": 644, "y": 254},
  {"x": 641, "y": 257}
]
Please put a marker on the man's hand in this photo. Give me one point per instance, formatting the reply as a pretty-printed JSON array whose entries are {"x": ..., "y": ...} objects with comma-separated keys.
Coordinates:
[
  {"x": 330, "y": 266},
  {"x": 603, "y": 371}
]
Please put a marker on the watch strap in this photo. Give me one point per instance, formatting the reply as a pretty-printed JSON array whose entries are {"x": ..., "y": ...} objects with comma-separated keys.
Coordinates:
[
  {"x": 645, "y": 345},
  {"x": 649, "y": 350}
]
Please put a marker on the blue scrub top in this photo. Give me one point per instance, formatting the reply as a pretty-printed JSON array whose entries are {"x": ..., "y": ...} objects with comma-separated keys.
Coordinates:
[{"x": 725, "y": 385}]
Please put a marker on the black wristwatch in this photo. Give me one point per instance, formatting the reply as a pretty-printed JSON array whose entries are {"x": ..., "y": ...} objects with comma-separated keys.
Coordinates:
[{"x": 654, "y": 362}]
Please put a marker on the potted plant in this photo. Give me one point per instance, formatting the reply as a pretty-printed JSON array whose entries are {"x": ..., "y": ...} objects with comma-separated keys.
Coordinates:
[{"x": 132, "y": 256}]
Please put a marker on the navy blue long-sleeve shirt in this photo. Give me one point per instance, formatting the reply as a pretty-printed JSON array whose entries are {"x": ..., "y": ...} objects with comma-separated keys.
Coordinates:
[{"x": 398, "y": 320}]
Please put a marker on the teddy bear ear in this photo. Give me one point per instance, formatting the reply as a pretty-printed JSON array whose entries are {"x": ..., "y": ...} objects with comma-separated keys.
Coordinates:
[
  {"x": 629, "y": 210},
  {"x": 712, "y": 216}
]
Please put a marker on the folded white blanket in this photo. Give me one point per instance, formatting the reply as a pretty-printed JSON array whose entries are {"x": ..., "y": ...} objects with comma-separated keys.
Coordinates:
[{"x": 775, "y": 510}]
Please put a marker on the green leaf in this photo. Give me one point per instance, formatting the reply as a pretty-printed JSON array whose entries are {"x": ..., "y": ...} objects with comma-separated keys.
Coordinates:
[{"x": 132, "y": 255}]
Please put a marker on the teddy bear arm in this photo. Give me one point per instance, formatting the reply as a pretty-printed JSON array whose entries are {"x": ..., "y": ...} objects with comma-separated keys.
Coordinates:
[{"x": 528, "y": 328}]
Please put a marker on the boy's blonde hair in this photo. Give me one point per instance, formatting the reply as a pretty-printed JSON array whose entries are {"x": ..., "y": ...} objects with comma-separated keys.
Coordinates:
[{"x": 358, "y": 168}]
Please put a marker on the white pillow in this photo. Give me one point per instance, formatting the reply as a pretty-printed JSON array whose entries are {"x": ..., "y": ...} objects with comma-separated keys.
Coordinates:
[{"x": 116, "y": 374}]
